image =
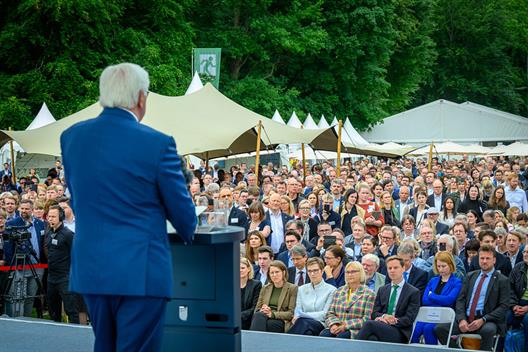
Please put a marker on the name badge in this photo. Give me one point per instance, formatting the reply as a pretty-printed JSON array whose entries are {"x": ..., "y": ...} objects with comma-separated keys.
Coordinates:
[
  {"x": 42, "y": 232},
  {"x": 234, "y": 220},
  {"x": 331, "y": 223},
  {"x": 54, "y": 242}
]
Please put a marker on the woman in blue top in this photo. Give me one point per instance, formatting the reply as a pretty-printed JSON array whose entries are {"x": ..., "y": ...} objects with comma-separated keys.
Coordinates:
[{"x": 441, "y": 291}]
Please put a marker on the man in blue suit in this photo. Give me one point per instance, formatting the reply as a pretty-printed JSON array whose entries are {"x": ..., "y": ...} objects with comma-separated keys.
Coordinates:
[
  {"x": 121, "y": 261},
  {"x": 34, "y": 247}
]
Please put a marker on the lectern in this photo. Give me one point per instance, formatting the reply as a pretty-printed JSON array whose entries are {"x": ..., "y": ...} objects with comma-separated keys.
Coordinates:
[{"x": 204, "y": 312}]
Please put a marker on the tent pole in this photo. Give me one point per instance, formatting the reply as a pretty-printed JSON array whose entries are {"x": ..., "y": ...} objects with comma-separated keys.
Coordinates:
[
  {"x": 206, "y": 161},
  {"x": 257, "y": 155},
  {"x": 13, "y": 172},
  {"x": 430, "y": 158},
  {"x": 339, "y": 147},
  {"x": 303, "y": 161}
]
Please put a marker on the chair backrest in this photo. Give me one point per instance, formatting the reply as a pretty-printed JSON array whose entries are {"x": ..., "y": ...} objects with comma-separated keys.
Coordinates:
[{"x": 435, "y": 315}]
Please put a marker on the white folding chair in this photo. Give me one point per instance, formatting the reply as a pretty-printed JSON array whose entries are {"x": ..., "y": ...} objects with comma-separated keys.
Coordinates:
[{"x": 436, "y": 315}]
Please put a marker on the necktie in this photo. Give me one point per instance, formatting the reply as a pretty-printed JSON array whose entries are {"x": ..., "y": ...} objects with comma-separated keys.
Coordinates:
[
  {"x": 473, "y": 307},
  {"x": 301, "y": 279},
  {"x": 405, "y": 276},
  {"x": 392, "y": 300}
]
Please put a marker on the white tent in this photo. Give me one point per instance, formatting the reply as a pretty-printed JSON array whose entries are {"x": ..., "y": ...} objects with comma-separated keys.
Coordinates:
[
  {"x": 43, "y": 118},
  {"x": 277, "y": 117},
  {"x": 450, "y": 148},
  {"x": 309, "y": 123},
  {"x": 196, "y": 84},
  {"x": 353, "y": 135},
  {"x": 323, "y": 123},
  {"x": 514, "y": 149},
  {"x": 443, "y": 121},
  {"x": 294, "y": 121}
]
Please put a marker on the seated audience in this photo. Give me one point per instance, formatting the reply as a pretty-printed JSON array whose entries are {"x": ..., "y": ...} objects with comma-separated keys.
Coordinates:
[{"x": 249, "y": 290}]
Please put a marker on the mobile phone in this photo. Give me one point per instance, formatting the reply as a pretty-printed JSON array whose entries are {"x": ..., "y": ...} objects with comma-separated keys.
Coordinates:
[
  {"x": 326, "y": 208},
  {"x": 442, "y": 247},
  {"x": 329, "y": 241},
  {"x": 376, "y": 214}
]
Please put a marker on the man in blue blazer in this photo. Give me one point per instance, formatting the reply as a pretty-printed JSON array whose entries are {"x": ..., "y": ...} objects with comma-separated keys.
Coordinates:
[
  {"x": 121, "y": 261},
  {"x": 34, "y": 247}
]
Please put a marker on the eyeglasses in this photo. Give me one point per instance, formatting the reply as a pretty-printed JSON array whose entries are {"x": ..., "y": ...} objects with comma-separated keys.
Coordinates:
[
  {"x": 314, "y": 271},
  {"x": 350, "y": 272},
  {"x": 304, "y": 208}
]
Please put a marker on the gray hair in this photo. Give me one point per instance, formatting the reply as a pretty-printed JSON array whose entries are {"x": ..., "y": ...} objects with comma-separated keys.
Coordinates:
[
  {"x": 407, "y": 248},
  {"x": 212, "y": 188},
  {"x": 299, "y": 249},
  {"x": 500, "y": 231},
  {"x": 371, "y": 257},
  {"x": 119, "y": 85}
]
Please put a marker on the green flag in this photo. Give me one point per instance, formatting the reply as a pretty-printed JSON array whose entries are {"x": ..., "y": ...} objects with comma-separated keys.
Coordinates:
[{"x": 206, "y": 61}]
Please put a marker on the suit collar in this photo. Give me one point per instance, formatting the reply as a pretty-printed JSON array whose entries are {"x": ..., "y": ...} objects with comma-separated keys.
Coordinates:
[{"x": 119, "y": 113}]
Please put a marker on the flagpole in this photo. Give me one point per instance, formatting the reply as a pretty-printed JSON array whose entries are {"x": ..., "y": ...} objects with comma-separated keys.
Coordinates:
[
  {"x": 257, "y": 156},
  {"x": 340, "y": 126}
]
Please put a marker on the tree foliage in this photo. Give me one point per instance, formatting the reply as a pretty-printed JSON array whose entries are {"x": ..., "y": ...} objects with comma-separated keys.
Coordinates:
[{"x": 364, "y": 59}]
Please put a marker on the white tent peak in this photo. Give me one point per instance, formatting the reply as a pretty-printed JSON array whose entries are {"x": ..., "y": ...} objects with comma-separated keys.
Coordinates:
[
  {"x": 196, "y": 84},
  {"x": 323, "y": 123},
  {"x": 334, "y": 122},
  {"x": 277, "y": 117},
  {"x": 309, "y": 123},
  {"x": 294, "y": 121},
  {"x": 43, "y": 118},
  {"x": 353, "y": 134}
]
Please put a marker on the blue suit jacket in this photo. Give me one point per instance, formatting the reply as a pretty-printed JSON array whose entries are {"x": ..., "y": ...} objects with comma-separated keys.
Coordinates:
[
  {"x": 40, "y": 228},
  {"x": 125, "y": 181},
  {"x": 448, "y": 296}
]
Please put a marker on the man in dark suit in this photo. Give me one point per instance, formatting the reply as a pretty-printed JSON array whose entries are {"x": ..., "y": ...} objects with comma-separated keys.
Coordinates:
[
  {"x": 514, "y": 248},
  {"x": 411, "y": 274},
  {"x": 291, "y": 238},
  {"x": 297, "y": 226},
  {"x": 278, "y": 221},
  {"x": 121, "y": 260},
  {"x": 236, "y": 217},
  {"x": 34, "y": 247},
  {"x": 395, "y": 308},
  {"x": 502, "y": 263},
  {"x": 482, "y": 304},
  {"x": 298, "y": 274},
  {"x": 436, "y": 199}
]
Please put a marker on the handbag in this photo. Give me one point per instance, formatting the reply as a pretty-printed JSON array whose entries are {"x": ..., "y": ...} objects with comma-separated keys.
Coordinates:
[{"x": 514, "y": 341}]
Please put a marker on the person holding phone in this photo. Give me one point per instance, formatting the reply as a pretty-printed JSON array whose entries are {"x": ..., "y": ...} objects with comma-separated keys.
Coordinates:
[
  {"x": 373, "y": 217},
  {"x": 327, "y": 214},
  {"x": 334, "y": 271}
]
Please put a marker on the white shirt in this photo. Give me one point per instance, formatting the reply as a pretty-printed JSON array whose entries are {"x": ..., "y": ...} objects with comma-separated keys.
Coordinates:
[
  {"x": 277, "y": 234},
  {"x": 438, "y": 202},
  {"x": 398, "y": 293},
  {"x": 263, "y": 277}
]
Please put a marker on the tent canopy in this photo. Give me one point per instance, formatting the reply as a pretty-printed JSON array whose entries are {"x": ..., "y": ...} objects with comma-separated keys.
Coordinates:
[
  {"x": 205, "y": 123},
  {"x": 443, "y": 121},
  {"x": 450, "y": 148}
]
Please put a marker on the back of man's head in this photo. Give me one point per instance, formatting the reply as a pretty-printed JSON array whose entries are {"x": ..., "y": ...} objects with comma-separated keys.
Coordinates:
[{"x": 119, "y": 85}]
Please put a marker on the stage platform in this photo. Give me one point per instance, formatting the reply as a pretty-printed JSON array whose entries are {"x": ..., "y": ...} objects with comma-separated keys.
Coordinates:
[{"x": 30, "y": 335}]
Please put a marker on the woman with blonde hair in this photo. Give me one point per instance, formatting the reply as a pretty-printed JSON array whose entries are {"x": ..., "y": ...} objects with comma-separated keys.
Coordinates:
[
  {"x": 249, "y": 292},
  {"x": 351, "y": 306},
  {"x": 390, "y": 212},
  {"x": 287, "y": 206},
  {"x": 441, "y": 291}
]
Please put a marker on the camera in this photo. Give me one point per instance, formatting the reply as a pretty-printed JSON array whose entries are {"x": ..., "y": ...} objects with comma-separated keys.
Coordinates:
[
  {"x": 16, "y": 233},
  {"x": 326, "y": 208},
  {"x": 442, "y": 247}
]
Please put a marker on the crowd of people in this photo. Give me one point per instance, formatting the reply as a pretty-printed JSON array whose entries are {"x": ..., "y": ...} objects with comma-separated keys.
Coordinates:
[
  {"x": 355, "y": 254},
  {"x": 350, "y": 253}
]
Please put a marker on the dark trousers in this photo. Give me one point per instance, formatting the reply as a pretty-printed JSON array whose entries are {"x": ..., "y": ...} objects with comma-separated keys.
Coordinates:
[
  {"x": 126, "y": 323},
  {"x": 342, "y": 335},
  {"x": 306, "y": 326},
  {"x": 378, "y": 331},
  {"x": 487, "y": 333},
  {"x": 57, "y": 294},
  {"x": 261, "y": 322}
]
